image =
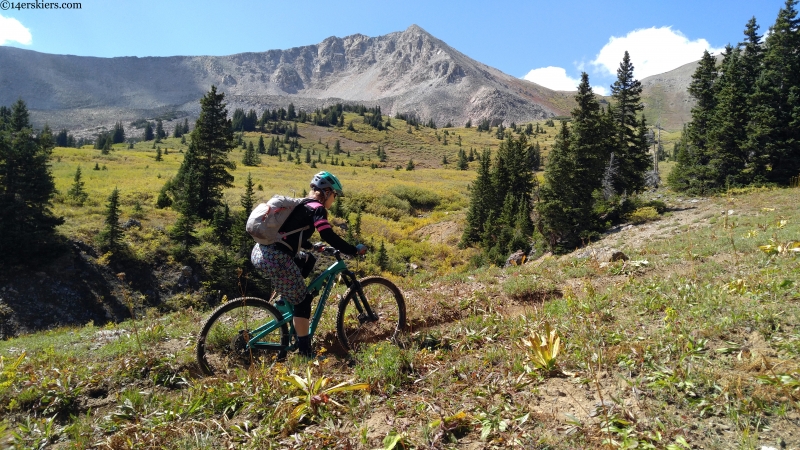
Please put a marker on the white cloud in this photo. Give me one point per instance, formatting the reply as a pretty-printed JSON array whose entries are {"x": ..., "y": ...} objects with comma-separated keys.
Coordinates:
[
  {"x": 600, "y": 90},
  {"x": 652, "y": 51},
  {"x": 11, "y": 30},
  {"x": 556, "y": 78}
]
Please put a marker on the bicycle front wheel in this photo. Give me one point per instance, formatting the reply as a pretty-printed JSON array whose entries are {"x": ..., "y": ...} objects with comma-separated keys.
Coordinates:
[
  {"x": 354, "y": 327},
  {"x": 222, "y": 342}
]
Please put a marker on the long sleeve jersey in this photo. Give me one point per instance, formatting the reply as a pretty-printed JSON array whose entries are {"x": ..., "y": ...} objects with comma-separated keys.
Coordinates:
[{"x": 314, "y": 215}]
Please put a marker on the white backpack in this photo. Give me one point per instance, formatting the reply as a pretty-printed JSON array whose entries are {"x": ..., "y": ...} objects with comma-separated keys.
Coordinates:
[{"x": 267, "y": 218}]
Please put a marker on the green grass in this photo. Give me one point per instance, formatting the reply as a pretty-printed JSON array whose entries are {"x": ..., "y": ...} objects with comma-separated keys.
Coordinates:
[{"x": 704, "y": 333}]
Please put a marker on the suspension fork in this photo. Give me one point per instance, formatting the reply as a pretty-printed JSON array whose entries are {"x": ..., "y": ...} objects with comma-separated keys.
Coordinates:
[{"x": 365, "y": 313}]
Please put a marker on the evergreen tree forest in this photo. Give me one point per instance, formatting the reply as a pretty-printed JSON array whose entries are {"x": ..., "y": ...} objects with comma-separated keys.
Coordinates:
[
  {"x": 745, "y": 126},
  {"x": 597, "y": 164},
  {"x": 27, "y": 224},
  {"x": 205, "y": 165},
  {"x": 498, "y": 218}
]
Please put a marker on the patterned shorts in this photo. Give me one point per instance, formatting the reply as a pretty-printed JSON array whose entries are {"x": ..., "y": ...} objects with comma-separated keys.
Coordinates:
[{"x": 282, "y": 270}]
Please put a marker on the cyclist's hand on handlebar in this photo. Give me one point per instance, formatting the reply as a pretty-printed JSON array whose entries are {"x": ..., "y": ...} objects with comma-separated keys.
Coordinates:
[{"x": 361, "y": 249}]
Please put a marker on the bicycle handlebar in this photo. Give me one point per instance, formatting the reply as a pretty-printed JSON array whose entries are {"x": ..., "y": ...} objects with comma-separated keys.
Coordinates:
[{"x": 328, "y": 250}]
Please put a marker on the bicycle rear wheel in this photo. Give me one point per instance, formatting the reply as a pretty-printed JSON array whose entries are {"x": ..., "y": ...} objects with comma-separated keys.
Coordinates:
[
  {"x": 222, "y": 342},
  {"x": 353, "y": 326}
]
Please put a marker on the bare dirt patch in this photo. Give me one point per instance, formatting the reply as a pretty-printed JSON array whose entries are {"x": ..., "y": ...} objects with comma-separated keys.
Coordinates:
[{"x": 440, "y": 233}]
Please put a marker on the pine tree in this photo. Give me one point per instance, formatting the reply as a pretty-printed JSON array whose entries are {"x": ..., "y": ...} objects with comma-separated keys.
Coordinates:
[
  {"x": 382, "y": 258},
  {"x": 410, "y": 165},
  {"x": 511, "y": 174},
  {"x": 574, "y": 176},
  {"x": 76, "y": 191},
  {"x": 118, "y": 135},
  {"x": 682, "y": 174},
  {"x": 250, "y": 157},
  {"x": 160, "y": 134},
  {"x": 148, "y": 132},
  {"x": 163, "y": 200},
  {"x": 261, "y": 148},
  {"x": 27, "y": 224},
  {"x": 187, "y": 204},
  {"x": 535, "y": 156},
  {"x": 481, "y": 202},
  {"x": 110, "y": 239},
  {"x": 158, "y": 154},
  {"x": 560, "y": 209},
  {"x": 592, "y": 138},
  {"x": 774, "y": 127},
  {"x": 221, "y": 224},
  {"x": 632, "y": 155},
  {"x": 462, "y": 163},
  {"x": 690, "y": 170},
  {"x": 727, "y": 132},
  {"x": 337, "y": 209},
  {"x": 206, "y": 158},
  {"x": 178, "y": 130}
]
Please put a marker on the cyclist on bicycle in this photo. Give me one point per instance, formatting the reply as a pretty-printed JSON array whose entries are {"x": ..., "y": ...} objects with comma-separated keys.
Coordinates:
[{"x": 287, "y": 266}]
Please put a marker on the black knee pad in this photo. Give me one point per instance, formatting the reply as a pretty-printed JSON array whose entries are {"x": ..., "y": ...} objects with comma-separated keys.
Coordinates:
[
  {"x": 303, "y": 309},
  {"x": 305, "y": 261}
]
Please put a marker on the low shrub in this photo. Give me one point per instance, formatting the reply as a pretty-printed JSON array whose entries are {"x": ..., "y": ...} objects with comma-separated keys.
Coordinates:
[
  {"x": 643, "y": 215},
  {"x": 659, "y": 206},
  {"x": 389, "y": 206},
  {"x": 418, "y": 198}
]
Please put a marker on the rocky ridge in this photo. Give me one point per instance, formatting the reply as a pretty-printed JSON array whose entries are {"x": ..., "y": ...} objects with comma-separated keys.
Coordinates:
[{"x": 409, "y": 72}]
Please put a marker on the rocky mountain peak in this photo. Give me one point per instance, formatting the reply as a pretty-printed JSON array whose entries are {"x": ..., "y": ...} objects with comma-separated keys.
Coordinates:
[{"x": 408, "y": 71}]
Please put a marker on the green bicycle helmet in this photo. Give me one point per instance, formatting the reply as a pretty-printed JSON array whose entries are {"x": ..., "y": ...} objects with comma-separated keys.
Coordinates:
[{"x": 325, "y": 180}]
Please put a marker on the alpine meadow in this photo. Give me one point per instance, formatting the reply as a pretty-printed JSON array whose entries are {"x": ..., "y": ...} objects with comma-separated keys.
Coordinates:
[{"x": 575, "y": 273}]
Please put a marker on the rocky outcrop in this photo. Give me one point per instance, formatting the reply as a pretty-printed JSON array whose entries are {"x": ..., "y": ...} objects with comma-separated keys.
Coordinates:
[{"x": 409, "y": 71}]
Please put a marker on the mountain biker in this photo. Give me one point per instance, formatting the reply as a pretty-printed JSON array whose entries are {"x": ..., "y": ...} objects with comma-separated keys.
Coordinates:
[{"x": 287, "y": 266}]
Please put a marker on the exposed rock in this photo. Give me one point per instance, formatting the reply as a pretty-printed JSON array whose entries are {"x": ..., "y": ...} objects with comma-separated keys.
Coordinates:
[
  {"x": 186, "y": 271},
  {"x": 130, "y": 223},
  {"x": 603, "y": 254},
  {"x": 516, "y": 259},
  {"x": 409, "y": 71}
]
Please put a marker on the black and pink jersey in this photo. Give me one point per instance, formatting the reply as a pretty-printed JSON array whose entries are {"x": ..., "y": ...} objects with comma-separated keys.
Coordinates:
[{"x": 311, "y": 214}]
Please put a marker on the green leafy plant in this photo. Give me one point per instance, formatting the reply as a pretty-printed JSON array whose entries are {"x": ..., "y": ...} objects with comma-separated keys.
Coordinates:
[
  {"x": 395, "y": 440},
  {"x": 315, "y": 393},
  {"x": 790, "y": 382},
  {"x": 8, "y": 372},
  {"x": 544, "y": 348},
  {"x": 777, "y": 248}
]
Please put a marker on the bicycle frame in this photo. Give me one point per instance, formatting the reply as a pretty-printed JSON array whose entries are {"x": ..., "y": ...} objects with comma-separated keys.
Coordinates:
[{"x": 324, "y": 283}]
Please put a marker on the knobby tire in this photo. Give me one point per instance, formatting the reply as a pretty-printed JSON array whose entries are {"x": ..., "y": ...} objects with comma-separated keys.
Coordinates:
[
  {"x": 221, "y": 344},
  {"x": 386, "y": 302}
]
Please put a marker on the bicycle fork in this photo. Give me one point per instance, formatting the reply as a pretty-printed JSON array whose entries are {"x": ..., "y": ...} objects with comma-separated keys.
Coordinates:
[{"x": 365, "y": 313}]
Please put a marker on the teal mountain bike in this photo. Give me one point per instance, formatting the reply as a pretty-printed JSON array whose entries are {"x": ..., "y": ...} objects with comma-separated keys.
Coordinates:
[{"x": 247, "y": 329}]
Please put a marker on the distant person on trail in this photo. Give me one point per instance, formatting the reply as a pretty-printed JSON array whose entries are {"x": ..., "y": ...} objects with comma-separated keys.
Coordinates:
[{"x": 287, "y": 266}]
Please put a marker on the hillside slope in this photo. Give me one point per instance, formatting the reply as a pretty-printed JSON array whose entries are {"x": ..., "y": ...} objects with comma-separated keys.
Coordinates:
[
  {"x": 666, "y": 98},
  {"x": 409, "y": 71},
  {"x": 691, "y": 343}
]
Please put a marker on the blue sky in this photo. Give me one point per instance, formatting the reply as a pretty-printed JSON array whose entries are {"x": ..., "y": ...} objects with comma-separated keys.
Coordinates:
[{"x": 549, "y": 42}]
